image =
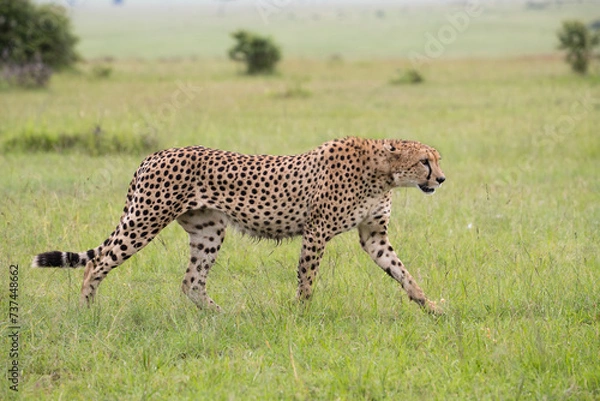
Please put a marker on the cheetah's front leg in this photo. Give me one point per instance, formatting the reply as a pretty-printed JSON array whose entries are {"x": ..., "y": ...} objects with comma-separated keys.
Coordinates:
[
  {"x": 313, "y": 246},
  {"x": 374, "y": 240}
]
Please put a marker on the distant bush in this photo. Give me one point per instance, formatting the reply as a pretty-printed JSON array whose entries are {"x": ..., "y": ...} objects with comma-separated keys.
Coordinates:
[
  {"x": 101, "y": 71},
  {"x": 34, "y": 74},
  {"x": 537, "y": 5},
  {"x": 259, "y": 53},
  {"x": 94, "y": 142},
  {"x": 336, "y": 59},
  {"x": 411, "y": 76},
  {"x": 579, "y": 41},
  {"x": 296, "y": 89},
  {"x": 34, "y": 40}
]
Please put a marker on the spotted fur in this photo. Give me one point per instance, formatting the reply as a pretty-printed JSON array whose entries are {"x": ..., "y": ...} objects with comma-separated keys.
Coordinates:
[{"x": 341, "y": 185}]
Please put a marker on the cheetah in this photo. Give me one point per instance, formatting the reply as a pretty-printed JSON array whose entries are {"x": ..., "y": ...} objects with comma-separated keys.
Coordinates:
[{"x": 341, "y": 185}]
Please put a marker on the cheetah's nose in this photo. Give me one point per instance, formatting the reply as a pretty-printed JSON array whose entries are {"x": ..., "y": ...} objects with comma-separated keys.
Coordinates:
[{"x": 440, "y": 180}]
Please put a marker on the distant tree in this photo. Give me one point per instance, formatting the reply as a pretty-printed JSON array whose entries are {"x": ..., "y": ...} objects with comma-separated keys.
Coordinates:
[
  {"x": 578, "y": 41},
  {"x": 34, "y": 38},
  {"x": 410, "y": 76},
  {"x": 260, "y": 54}
]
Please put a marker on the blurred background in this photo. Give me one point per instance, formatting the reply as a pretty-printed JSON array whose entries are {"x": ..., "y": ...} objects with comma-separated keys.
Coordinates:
[
  {"x": 331, "y": 28},
  {"x": 130, "y": 58}
]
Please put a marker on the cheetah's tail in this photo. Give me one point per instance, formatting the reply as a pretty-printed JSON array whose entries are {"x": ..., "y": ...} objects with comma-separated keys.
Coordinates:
[{"x": 63, "y": 259}]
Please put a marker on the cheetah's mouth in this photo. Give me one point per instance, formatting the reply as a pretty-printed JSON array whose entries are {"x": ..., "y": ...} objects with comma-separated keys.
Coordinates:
[{"x": 426, "y": 189}]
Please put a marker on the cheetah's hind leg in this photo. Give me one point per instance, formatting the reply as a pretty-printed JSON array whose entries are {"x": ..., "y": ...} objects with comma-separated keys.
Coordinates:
[
  {"x": 206, "y": 229},
  {"x": 129, "y": 237}
]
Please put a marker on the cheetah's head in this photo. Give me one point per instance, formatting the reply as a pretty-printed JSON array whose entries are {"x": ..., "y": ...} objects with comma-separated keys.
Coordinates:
[{"x": 413, "y": 164}]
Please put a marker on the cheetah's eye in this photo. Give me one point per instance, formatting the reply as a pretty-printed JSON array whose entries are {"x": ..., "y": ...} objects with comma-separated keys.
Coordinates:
[{"x": 425, "y": 162}]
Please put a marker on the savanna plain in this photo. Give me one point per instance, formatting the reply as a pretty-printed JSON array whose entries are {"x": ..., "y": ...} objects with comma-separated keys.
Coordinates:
[{"x": 508, "y": 246}]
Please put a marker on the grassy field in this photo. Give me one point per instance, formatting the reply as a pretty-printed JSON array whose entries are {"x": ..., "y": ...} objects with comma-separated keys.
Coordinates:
[{"x": 509, "y": 243}]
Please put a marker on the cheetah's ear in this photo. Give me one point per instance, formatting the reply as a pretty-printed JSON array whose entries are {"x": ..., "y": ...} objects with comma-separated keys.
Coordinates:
[{"x": 389, "y": 147}]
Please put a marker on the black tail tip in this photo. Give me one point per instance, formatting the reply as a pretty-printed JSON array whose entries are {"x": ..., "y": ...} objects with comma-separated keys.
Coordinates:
[{"x": 48, "y": 259}]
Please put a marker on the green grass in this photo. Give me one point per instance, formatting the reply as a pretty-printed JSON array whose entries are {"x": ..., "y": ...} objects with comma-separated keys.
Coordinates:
[{"x": 510, "y": 242}]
